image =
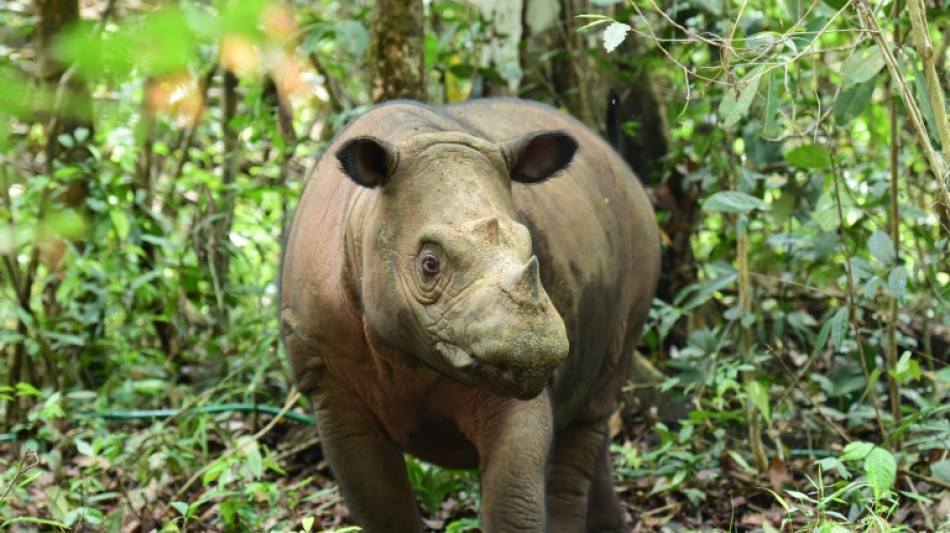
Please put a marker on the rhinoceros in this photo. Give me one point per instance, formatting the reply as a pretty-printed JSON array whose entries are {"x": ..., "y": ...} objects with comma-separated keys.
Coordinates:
[{"x": 466, "y": 284}]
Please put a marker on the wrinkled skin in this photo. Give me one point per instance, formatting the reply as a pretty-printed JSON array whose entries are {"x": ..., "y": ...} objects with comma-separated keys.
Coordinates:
[{"x": 466, "y": 284}]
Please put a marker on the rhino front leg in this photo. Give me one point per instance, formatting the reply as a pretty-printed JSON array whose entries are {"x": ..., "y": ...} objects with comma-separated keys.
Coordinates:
[
  {"x": 368, "y": 466},
  {"x": 604, "y": 513},
  {"x": 580, "y": 460},
  {"x": 514, "y": 447}
]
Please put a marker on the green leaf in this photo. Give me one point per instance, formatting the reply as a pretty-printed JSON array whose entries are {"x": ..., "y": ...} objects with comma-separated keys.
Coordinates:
[
  {"x": 214, "y": 471},
  {"x": 923, "y": 101},
  {"x": 181, "y": 507},
  {"x": 839, "y": 326},
  {"x": 32, "y": 520},
  {"x": 56, "y": 503},
  {"x": 880, "y": 467},
  {"x": 84, "y": 448},
  {"x": 352, "y": 37},
  {"x": 906, "y": 368},
  {"x": 861, "y": 66},
  {"x": 760, "y": 398},
  {"x": 852, "y": 101},
  {"x": 881, "y": 247},
  {"x": 307, "y": 523},
  {"x": 809, "y": 156},
  {"x": 796, "y": 9},
  {"x": 897, "y": 283},
  {"x": 826, "y": 210},
  {"x": 856, "y": 451},
  {"x": 737, "y": 100},
  {"x": 941, "y": 470},
  {"x": 614, "y": 35},
  {"x": 25, "y": 389},
  {"x": 870, "y": 289},
  {"x": 164, "y": 42},
  {"x": 120, "y": 221},
  {"x": 734, "y": 202},
  {"x": 771, "y": 105},
  {"x": 67, "y": 223},
  {"x": 822, "y": 338}
]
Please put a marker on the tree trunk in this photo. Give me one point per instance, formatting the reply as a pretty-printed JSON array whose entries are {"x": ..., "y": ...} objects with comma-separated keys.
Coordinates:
[
  {"x": 398, "y": 51},
  {"x": 73, "y": 104}
]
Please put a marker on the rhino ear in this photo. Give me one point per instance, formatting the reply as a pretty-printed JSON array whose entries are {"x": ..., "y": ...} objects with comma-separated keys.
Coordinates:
[
  {"x": 538, "y": 156},
  {"x": 368, "y": 161}
]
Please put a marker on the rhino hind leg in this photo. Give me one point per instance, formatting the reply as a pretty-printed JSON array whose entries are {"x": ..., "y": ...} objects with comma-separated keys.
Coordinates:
[{"x": 580, "y": 480}]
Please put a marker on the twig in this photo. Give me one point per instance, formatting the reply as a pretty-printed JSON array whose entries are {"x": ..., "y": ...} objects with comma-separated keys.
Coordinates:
[
  {"x": 298, "y": 448},
  {"x": 928, "y": 479},
  {"x": 20, "y": 470},
  {"x": 817, "y": 409},
  {"x": 192, "y": 127},
  {"x": 335, "y": 102}
]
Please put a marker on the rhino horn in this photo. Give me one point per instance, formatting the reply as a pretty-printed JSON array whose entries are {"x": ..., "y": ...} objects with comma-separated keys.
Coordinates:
[
  {"x": 523, "y": 284},
  {"x": 488, "y": 228}
]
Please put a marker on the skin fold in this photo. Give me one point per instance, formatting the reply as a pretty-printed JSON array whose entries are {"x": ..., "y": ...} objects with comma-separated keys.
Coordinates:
[{"x": 467, "y": 284}]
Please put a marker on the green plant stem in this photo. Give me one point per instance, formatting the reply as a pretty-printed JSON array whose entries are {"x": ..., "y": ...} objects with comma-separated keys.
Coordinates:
[
  {"x": 753, "y": 417},
  {"x": 893, "y": 386},
  {"x": 852, "y": 303}
]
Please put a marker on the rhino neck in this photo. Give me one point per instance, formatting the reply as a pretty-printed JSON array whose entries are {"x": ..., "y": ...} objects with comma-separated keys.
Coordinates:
[{"x": 353, "y": 237}]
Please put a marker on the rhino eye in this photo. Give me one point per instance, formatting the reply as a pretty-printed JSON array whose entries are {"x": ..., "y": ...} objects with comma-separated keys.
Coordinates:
[{"x": 430, "y": 265}]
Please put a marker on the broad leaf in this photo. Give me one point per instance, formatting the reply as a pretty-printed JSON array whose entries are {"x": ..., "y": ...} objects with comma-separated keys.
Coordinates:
[
  {"x": 852, "y": 101},
  {"x": 759, "y": 396},
  {"x": 923, "y": 101},
  {"x": 181, "y": 507},
  {"x": 881, "y": 247},
  {"x": 856, "y": 451},
  {"x": 56, "y": 502},
  {"x": 941, "y": 470},
  {"x": 839, "y": 327},
  {"x": 809, "y": 156},
  {"x": 880, "y": 466},
  {"x": 735, "y": 103},
  {"x": 734, "y": 202},
  {"x": 897, "y": 282},
  {"x": 861, "y": 66},
  {"x": 823, "y": 336},
  {"x": 352, "y": 36}
]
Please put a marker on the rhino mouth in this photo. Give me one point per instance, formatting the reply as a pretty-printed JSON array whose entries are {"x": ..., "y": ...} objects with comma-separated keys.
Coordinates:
[{"x": 507, "y": 380}]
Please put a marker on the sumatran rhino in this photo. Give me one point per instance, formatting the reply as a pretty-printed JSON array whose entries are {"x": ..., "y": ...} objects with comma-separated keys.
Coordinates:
[{"x": 467, "y": 284}]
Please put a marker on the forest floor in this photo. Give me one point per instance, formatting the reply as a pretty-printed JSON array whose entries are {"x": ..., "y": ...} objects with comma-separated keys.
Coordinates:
[{"x": 718, "y": 494}]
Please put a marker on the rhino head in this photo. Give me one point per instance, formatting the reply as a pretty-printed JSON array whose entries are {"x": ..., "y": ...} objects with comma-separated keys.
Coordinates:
[{"x": 446, "y": 272}]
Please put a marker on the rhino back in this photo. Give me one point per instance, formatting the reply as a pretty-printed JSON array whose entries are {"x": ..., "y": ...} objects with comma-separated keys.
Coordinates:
[{"x": 594, "y": 232}]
